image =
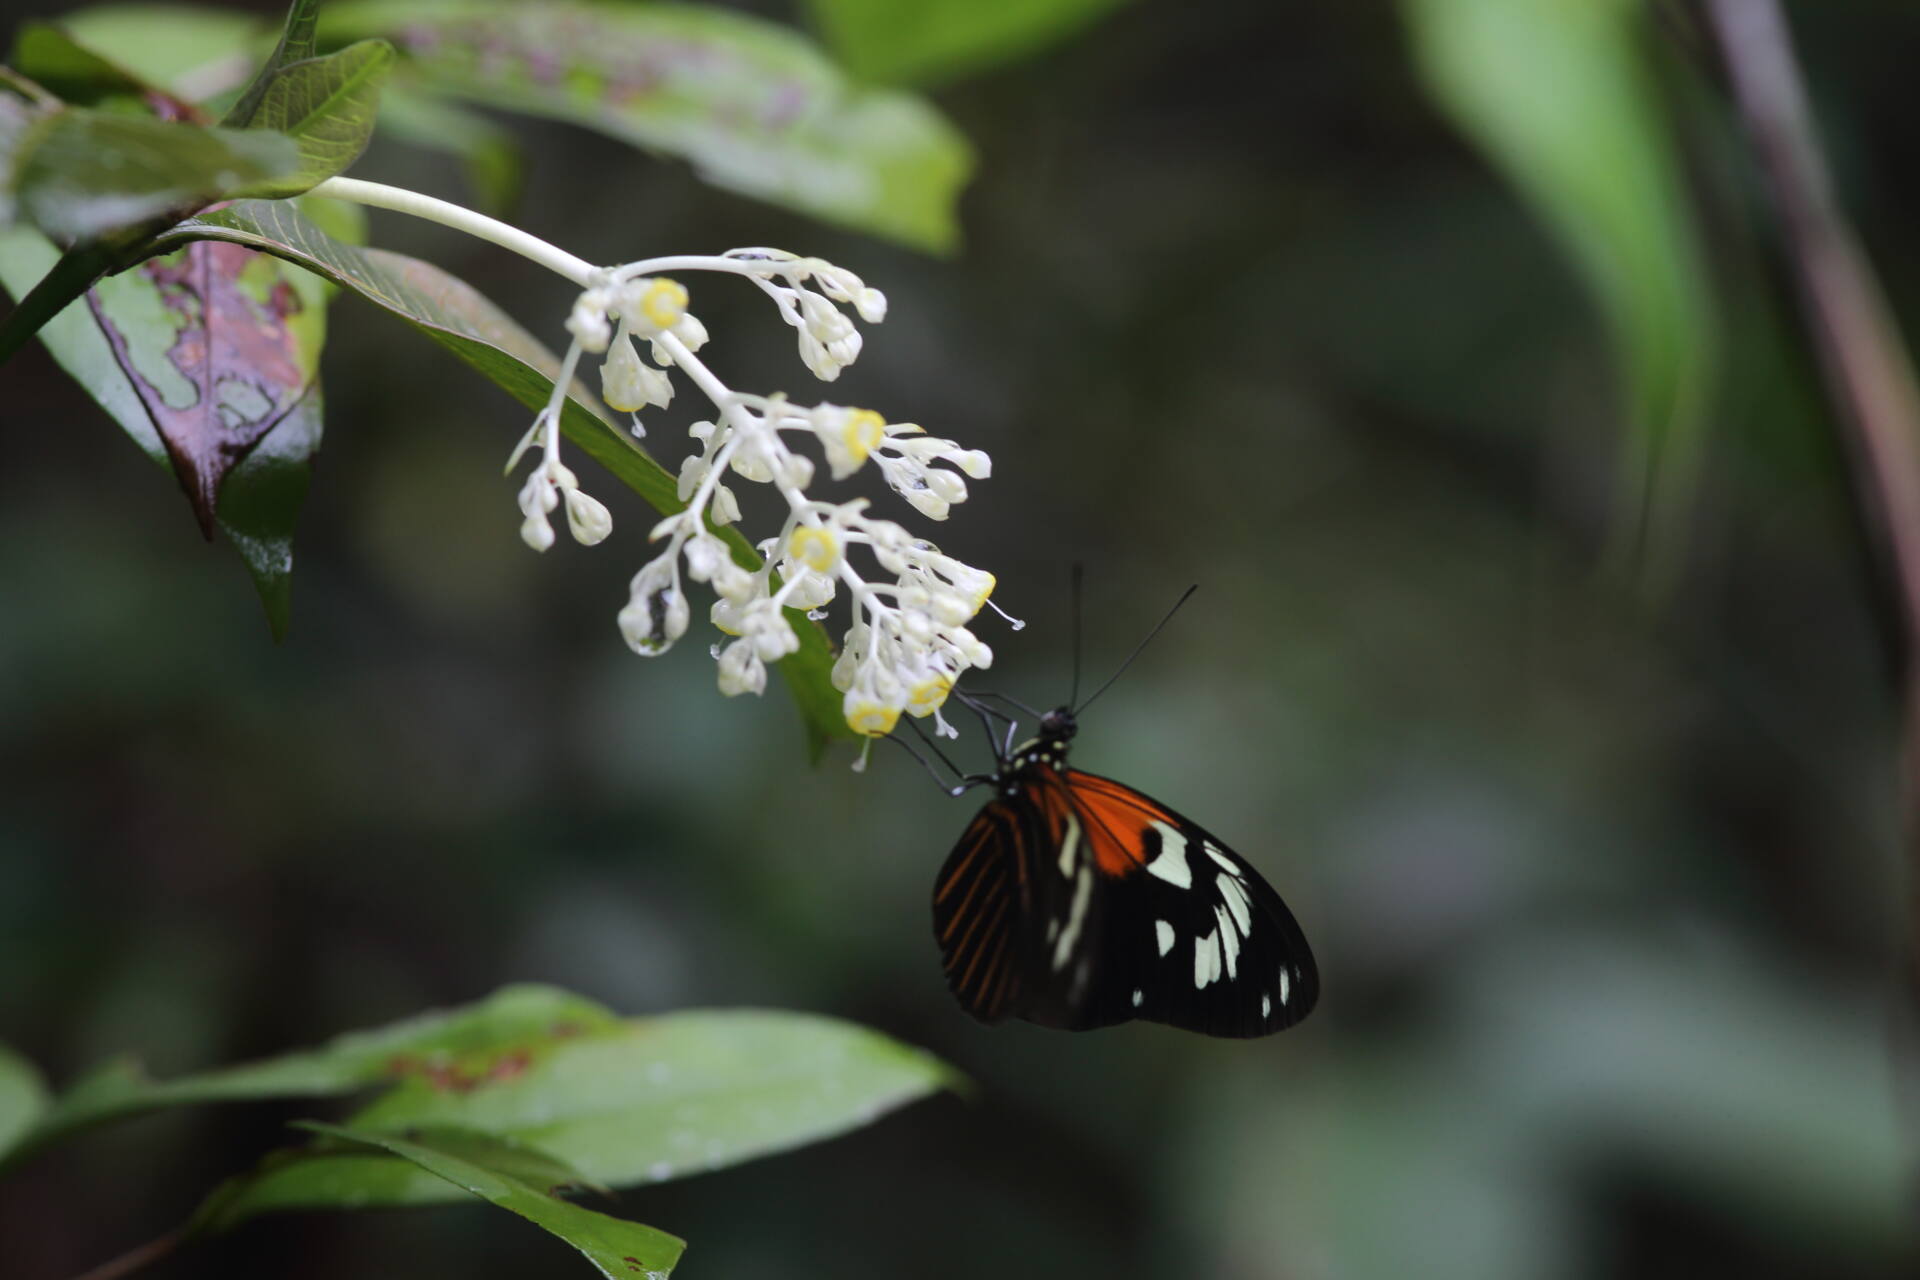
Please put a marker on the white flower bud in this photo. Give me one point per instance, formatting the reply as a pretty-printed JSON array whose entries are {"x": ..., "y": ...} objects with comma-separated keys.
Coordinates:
[
  {"x": 872, "y": 305},
  {"x": 587, "y": 518},
  {"x": 536, "y": 531},
  {"x": 741, "y": 670},
  {"x": 974, "y": 462},
  {"x": 704, "y": 553},
  {"x": 692, "y": 334},
  {"x": 620, "y": 377},
  {"x": 813, "y": 354},
  {"x": 588, "y": 322},
  {"x": 823, "y": 319},
  {"x": 927, "y": 502},
  {"x": 726, "y": 507},
  {"x": 693, "y": 470},
  {"x": 946, "y": 486}
]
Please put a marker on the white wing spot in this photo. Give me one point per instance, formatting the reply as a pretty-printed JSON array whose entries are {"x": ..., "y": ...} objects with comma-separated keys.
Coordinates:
[
  {"x": 1070, "y": 846},
  {"x": 1266, "y": 1006},
  {"x": 1226, "y": 863},
  {"x": 1171, "y": 864},
  {"x": 1229, "y": 940},
  {"x": 1163, "y": 932},
  {"x": 1076, "y": 916},
  {"x": 1286, "y": 981},
  {"x": 1238, "y": 902},
  {"x": 1206, "y": 960},
  {"x": 1138, "y": 996}
]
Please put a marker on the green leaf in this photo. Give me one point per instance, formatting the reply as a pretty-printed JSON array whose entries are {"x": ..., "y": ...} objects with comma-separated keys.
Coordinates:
[
  {"x": 261, "y": 496},
  {"x": 297, "y": 44},
  {"x": 756, "y": 107},
  {"x": 1557, "y": 94},
  {"x": 620, "y": 1249},
  {"x": 74, "y": 73},
  {"x": 328, "y": 106},
  {"x": 459, "y": 318},
  {"x": 652, "y": 1099},
  {"x": 182, "y": 48},
  {"x": 513, "y": 1018},
  {"x": 80, "y": 174},
  {"x": 23, "y": 1096},
  {"x": 921, "y": 42}
]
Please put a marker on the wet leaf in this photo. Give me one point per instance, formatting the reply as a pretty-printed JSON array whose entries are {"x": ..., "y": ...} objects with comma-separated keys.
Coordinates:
[
  {"x": 220, "y": 344},
  {"x": 23, "y": 1096},
  {"x": 755, "y": 106},
  {"x": 618, "y": 1248},
  {"x": 1559, "y": 97},
  {"x": 927, "y": 41},
  {"x": 466, "y": 323},
  {"x": 261, "y": 496},
  {"x": 649, "y": 1100},
  {"x": 512, "y": 1018},
  {"x": 80, "y": 175}
]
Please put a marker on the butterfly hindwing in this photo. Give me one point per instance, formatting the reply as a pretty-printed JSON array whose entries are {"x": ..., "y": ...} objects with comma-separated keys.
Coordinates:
[{"x": 978, "y": 907}]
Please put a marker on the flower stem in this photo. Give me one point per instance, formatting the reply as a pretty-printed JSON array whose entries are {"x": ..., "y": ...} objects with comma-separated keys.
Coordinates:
[{"x": 379, "y": 195}]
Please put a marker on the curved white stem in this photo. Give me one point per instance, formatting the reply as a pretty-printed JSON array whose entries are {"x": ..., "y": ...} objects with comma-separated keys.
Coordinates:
[{"x": 378, "y": 195}]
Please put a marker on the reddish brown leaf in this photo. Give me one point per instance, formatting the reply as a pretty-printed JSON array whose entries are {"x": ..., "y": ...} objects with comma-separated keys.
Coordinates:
[{"x": 217, "y": 347}]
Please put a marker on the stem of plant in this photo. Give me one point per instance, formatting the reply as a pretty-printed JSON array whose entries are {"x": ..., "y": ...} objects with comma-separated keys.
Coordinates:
[
  {"x": 137, "y": 1259},
  {"x": 378, "y": 195},
  {"x": 1869, "y": 375}
]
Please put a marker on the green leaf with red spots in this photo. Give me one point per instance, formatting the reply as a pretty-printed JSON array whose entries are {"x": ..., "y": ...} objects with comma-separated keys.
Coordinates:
[
  {"x": 511, "y": 1020},
  {"x": 645, "y": 1101},
  {"x": 755, "y": 106}
]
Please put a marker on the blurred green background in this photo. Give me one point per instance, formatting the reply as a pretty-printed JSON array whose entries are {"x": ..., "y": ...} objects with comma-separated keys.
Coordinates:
[{"x": 1603, "y": 878}]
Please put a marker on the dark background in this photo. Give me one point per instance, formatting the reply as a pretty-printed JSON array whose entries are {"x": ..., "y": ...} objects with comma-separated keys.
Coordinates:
[{"x": 1604, "y": 885}]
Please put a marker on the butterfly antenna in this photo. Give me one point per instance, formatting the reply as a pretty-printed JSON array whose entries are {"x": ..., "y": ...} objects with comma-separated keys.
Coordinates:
[
  {"x": 1138, "y": 649},
  {"x": 1077, "y": 575}
]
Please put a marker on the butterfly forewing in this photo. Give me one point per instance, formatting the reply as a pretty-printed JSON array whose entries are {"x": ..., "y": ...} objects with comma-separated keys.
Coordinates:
[{"x": 1075, "y": 901}]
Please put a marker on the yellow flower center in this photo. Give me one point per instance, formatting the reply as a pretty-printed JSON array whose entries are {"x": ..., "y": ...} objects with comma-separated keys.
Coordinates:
[
  {"x": 864, "y": 430},
  {"x": 817, "y": 549},
  {"x": 927, "y": 696},
  {"x": 872, "y": 719},
  {"x": 664, "y": 303}
]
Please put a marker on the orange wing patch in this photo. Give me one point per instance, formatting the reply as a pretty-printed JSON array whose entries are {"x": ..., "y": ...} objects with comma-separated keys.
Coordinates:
[{"x": 1115, "y": 820}]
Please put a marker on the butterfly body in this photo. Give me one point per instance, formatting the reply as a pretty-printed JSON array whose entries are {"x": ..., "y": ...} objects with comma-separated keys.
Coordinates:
[{"x": 1075, "y": 901}]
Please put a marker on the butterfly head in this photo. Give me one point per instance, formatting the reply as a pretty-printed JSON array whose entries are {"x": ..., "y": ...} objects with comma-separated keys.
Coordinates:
[{"x": 1058, "y": 726}]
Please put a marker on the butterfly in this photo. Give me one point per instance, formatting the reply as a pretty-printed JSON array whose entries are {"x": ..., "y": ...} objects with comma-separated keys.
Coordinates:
[{"x": 1075, "y": 901}]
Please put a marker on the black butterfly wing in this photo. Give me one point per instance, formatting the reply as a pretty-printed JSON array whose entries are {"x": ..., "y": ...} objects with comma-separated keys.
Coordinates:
[
  {"x": 980, "y": 905},
  {"x": 1077, "y": 902},
  {"x": 1190, "y": 934}
]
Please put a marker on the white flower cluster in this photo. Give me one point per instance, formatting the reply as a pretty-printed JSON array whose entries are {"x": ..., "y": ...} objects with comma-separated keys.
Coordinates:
[{"x": 909, "y": 640}]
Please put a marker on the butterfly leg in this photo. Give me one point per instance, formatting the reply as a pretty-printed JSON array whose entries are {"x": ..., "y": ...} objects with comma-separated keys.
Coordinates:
[{"x": 964, "y": 782}]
